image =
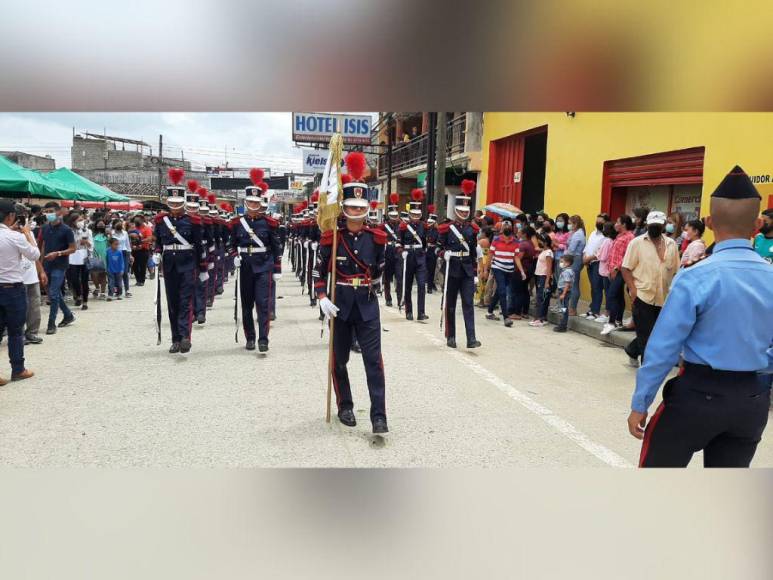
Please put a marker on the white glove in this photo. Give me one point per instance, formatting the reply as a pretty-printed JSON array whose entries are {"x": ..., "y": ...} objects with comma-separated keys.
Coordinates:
[
  {"x": 237, "y": 261},
  {"x": 306, "y": 244},
  {"x": 277, "y": 277},
  {"x": 314, "y": 246},
  {"x": 157, "y": 259},
  {"x": 329, "y": 309},
  {"x": 203, "y": 276},
  {"x": 404, "y": 254},
  {"x": 475, "y": 280}
]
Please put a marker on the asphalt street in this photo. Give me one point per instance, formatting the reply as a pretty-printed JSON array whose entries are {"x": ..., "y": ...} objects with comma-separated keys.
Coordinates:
[{"x": 106, "y": 395}]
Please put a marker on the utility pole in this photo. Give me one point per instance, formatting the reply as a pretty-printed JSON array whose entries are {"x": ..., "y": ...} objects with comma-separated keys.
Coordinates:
[
  {"x": 388, "y": 191},
  {"x": 430, "y": 185},
  {"x": 440, "y": 172},
  {"x": 160, "y": 166}
]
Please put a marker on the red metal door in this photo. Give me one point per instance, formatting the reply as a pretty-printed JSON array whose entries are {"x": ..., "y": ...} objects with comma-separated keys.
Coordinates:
[{"x": 506, "y": 167}]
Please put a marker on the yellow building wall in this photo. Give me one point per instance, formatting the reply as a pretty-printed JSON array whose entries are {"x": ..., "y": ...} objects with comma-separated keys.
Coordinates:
[{"x": 578, "y": 147}]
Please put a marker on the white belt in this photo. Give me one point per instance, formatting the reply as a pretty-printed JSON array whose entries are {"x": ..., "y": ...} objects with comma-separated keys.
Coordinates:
[
  {"x": 415, "y": 247},
  {"x": 176, "y": 247},
  {"x": 458, "y": 254},
  {"x": 212, "y": 248},
  {"x": 251, "y": 250}
]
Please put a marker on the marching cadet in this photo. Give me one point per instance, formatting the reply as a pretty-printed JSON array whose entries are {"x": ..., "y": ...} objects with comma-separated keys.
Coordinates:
[
  {"x": 214, "y": 247},
  {"x": 413, "y": 240},
  {"x": 393, "y": 268},
  {"x": 718, "y": 316},
  {"x": 192, "y": 208},
  {"x": 179, "y": 249},
  {"x": 432, "y": 249},
  {"x": 458, "y": 241},
  {"x": 314, "y": 235},
  {"x": 282, "y": 233},
  {"x": 359, "y": 261},
  {"x": 254, "y": 241}
]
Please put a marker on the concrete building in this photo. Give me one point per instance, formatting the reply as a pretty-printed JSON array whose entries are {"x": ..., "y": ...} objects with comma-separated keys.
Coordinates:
[{"x": 37, "y": 162}]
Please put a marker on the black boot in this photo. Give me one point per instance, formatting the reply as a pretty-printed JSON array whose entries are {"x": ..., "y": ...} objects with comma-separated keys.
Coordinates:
[
  {"x": 313, "y": 302},
  {"x": 262, "y": 345},
  {"x": 185, "y": 346},
  {"x": 389, "y": 302},
  {"x": 175, "y": 348},
  {"x": 272, "y": 316},
  {"x": 380, "y": 425},
  {"x": 346, "y": 416},
  {"x": 409, "y": 315},
  {"x": 201, "y": 318},
  {"x": 451, "y": 342},
  {"x": 422, "y": 317},
  {"x": 250, "y": 344},
  {"x": 473, "y": 343}
]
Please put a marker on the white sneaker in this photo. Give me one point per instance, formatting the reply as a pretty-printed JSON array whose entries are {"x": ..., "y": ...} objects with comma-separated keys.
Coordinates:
[
  {"x": 602, "y": 319},
  {"x": 590, "y": 316},
  {"x": 607, "y": 329},
  {"x": 627, "y": 321}
]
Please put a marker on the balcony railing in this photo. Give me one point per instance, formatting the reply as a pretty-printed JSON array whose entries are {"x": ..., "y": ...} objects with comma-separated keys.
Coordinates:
[{"x": 414, "y": 152}]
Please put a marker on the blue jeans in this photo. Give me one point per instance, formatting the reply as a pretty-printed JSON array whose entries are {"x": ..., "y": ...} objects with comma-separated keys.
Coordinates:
[
  {"x": 504, "y": 282},
  {"x": 55, "y": 284},
  {"x": 13, "y": 315},
  {"x": 616, "y": 299},
  {"x": 596, "y": 287},
  {"x": 543, "y": 298},
  {"x": 574, "y": 296},
  {"x": 114, "y": 283}
]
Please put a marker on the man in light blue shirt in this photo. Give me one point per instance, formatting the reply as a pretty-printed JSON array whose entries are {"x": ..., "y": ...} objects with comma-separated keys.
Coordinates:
[{"x": 719, "y": 318}]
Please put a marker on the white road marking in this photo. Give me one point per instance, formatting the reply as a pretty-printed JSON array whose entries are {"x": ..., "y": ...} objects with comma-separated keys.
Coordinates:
[{"x": 558, "y": 423}]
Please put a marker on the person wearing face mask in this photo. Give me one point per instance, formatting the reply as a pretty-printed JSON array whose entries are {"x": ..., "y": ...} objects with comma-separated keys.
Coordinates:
[
  {"x": 650, "y": 263},
  {"x": 696, "y": 248},
  {"x": 763, "y": 241},
  {"x": 675, "y": 229},
  {"x": 502, "y": 252},
  {"x": 590, "y": 258},
  {"x": 576, "y": 247},
  {"x": 58, "y": 243},
  {"x": 98, "y": 261},
  {"x": 124, "y": 245},
  {"x": 560, "y": 242},
  {"x": 77, "y": 272},
  {"x": 358, "y": 262}
]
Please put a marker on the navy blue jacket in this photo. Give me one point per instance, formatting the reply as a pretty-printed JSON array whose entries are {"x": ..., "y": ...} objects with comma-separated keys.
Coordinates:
[
  {"x": 190, "y": 228},
  {"x": 460, "y": 266},
  {"x": 266, "y": 229},
  {"x": 415, "y": 255}
]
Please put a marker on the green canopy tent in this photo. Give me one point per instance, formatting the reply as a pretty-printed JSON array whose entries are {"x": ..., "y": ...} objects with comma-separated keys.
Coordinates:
[
  {"x": 81, "y": 184},
  {"x": 16, "y": 181}
]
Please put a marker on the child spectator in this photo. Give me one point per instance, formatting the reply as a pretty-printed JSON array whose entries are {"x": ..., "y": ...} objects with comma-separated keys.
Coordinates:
[
  {"x": 565, "y": 284},
  {"x": 115, "y": 267},
  {"x": 543, "y": 274},
  {"x": 696, "y": 249}
]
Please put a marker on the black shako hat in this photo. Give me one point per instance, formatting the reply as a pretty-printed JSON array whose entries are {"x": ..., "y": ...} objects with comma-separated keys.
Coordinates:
[{"x": 736, "y": 185}]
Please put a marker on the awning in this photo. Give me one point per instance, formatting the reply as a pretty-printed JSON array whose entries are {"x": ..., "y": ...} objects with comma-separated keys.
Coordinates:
[
  {"x": 81, "y": 184},
  {"x": 17, "y": 181}
]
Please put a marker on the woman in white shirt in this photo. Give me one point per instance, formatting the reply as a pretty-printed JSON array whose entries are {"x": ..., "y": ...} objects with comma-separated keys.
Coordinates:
[
  {"x": 124, "y": 244},
  {"x": 77, "y": 272}
]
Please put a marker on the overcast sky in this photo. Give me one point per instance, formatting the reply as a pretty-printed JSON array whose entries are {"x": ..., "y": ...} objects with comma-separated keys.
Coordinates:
[{"x": 251, "y": 139}]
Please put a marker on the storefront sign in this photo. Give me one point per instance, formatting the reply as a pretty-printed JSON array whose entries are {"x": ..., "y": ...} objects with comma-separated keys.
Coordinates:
[
  {"x": 319, "y": 127},
  {"x": 688, "y": 204},
  {"x": 314, "y": 160}
]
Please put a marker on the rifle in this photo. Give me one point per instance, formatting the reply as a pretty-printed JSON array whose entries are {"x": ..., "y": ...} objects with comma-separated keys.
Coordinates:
[
  {"x": 158, "y": 303},
  {"x": 236, "y": 305},
  {"x": 445, "y": 289}
]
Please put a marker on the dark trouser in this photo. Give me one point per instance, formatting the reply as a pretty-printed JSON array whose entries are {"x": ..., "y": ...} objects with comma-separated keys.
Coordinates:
[
  {"x": 200, "y": 298},
  {"x": 219, "y": 268},
  {"x": 368, "y": 334},
  {"x": 126, "y": 267},
  {"x": 393, "y": 269},
  {"x": 564, "y": 311},
  {"x": 114, "y": 281},
  {"x": 431, "y": 268},
  {"x": 78, "y": 278},
  {"x": 596, "y": 287},
  {"x": 140, "y": 265},
  {"x": 519, "y": 290},
  {"x": 211, "y": 287},
  {"x": 543, "y": 298},
  {"x": 179, "y": 288},
  {"x": 416, "y": 268},
  {"x": 503, "y": 280},
  {"x": 722, "y": 413},
  {"x": 616, "y": 299},
  {"x": 574, "y": 295},
  {"x": 309, "y": 283},
  {"x": 464, "y": 286},
  {"x": 644, "y": 318},
  {"x": 55, "y": 284},
  {"x": 13, "y": 315},
  {"x": 255, "y": 290},
  {"x": 605, "y": 282}
]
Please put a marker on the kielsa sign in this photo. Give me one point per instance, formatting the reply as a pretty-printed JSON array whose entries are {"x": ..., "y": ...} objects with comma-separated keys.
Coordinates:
[
  {"x": 314, "y": 160},
  {"x": 319, "y": 127}
]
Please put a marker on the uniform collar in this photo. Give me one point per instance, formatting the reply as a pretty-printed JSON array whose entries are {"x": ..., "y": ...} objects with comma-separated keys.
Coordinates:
[{"x": 731, "y": 244}]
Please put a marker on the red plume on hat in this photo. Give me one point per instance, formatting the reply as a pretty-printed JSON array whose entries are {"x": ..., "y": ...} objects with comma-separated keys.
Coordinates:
[
  {"x": 225, "y": 206},
  {"x": 374, "y": 205},
  {"x": 468, "y": 186},
  {"x": 176, "y": 175},
  {"x": 211, "y": 198},
  {"x": 315, "y": 196},
  {"x": 346, "y": 178},
  {"x": 263, "y": 186},
  {"x": 417, "y": 194},
  {"x": 431, "y": 208},
  {"x": 356, "y": 164},
  {"x": 193, "y": 185},
  {"x": 394, "y": 198},
  {"x": 202, "y": 191},
  {"x": 256, "y": 175}
]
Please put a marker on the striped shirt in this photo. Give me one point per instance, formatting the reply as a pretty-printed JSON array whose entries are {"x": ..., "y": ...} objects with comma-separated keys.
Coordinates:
[{"x": 503, "y": 253}]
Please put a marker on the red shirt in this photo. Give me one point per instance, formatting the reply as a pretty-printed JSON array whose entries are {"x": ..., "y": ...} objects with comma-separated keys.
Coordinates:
[
  {"x": 503, "y": 253},
  {"x": 619, "y": 246}
]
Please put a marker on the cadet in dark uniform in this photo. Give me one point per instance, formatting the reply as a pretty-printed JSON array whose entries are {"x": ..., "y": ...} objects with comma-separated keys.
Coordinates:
[
  {"x": 413, "y": 240},
  {"x": 432, "y": 249},
  {"x": 718, "y": 317},
  {"x": 458, "y": 243},
  {"x": 313, "y": 236},
  {"x": 254, "y": 240},
  {"x": 178, "y": 247},
  {"x": 393, "y": 267},
  {"x": 359, "y": 262},
  {"x": 192, "y": 208}
]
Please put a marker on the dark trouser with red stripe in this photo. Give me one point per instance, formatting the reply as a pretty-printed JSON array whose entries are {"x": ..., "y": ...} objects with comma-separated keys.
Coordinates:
[
  {"x": 179, "y": 288},
  {"x": 369, "y": 336},
  {"x": 415, "y": 269},
  {"x": 393, "y": 269},
  {"x": 722, "y": 413},
  {"x": 255, "y": 290},
  {"x": 466, "y": 287}
]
